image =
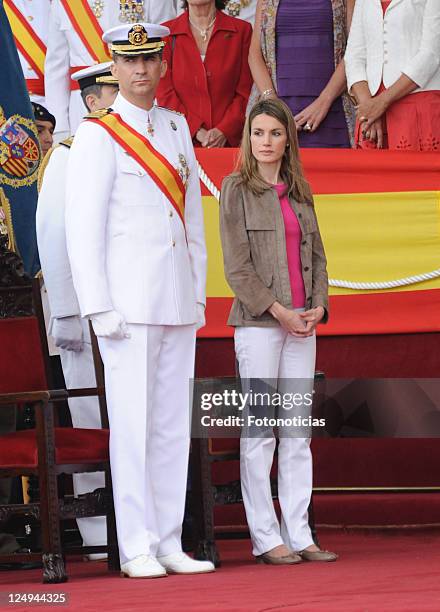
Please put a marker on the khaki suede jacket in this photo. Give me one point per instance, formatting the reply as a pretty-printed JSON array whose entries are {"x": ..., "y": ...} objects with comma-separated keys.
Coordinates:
[{"x": 255, "y": 258}]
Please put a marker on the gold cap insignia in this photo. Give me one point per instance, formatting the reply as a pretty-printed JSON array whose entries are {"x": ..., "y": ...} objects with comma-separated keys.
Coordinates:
[{"x": 138, "y": 35}]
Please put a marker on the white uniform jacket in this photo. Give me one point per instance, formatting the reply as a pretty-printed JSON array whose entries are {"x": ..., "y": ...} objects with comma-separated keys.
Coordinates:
[
  {"x": 37, "y": 14},
  {"x": 406, "y": 40},
  {"x": 51, "y": 237},
  {"x": 126, "y": 243},
  {"x": 66, "y": 51},
  {"x": 245, "y": 10}
]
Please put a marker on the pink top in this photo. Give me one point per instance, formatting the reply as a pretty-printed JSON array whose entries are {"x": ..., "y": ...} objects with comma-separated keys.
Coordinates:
[{"x": 293, "y": 247}]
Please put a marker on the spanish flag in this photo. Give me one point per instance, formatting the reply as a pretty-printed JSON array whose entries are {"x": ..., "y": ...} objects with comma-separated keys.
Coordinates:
[{"x": 379, "y": 216}]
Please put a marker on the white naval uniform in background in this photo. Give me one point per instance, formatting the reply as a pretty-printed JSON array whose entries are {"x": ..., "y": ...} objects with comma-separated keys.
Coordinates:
[
  {"x": 37, "y": 14},
  {"x": 128, "y": 252},
  {"x": 77, "y": 366},
  {"x": 65, "y": 50},
  {"x": 245, "y": 10}
]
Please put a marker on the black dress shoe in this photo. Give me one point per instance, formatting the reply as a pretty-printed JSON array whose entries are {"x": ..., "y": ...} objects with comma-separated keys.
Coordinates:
[{"x": 21, "y": 565}]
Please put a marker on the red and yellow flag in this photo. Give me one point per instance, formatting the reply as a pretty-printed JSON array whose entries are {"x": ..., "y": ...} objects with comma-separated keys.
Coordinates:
[
  {"x": 379, "y": 216},
  {"x": 154, "y": 163},
  {"x": 26, "y": 39},
  {"x": 88, "y": 29}
]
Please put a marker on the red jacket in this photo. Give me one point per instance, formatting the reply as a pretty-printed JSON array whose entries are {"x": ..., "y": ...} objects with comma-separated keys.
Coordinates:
[{"x": 213, "y": 93}]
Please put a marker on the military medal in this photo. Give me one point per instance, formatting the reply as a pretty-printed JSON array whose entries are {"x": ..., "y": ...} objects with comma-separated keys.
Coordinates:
[
  {"x": 183, "y": 169},
  {"x": 131, "y": 11},
  {"x": 150, "y": 128},
  {"x": 98, "y": 8},
  {"x": 233, "y": 7}
]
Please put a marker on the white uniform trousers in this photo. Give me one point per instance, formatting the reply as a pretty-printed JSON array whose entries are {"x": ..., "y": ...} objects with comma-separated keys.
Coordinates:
[
  {"x": 79, "y": 372},
  {"x": 147, "y": 378},
  {"x": 272, "y": 353}
]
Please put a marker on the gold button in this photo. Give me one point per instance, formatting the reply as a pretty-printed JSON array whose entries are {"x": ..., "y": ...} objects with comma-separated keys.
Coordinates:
[
  {"x": 30, "y": 18},
  {"x": 170, "y": 213},
  {"x": 174, "y": 243}
]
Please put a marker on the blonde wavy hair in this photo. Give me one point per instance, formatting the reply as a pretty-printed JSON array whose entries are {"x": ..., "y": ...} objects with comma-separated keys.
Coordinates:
[{"x": 291, "y": 172}]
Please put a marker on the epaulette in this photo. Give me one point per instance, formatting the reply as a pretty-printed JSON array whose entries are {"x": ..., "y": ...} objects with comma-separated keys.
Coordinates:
[
  {"x": 99, "y": 113},
  {"x": 171, "y": 111},
  {"x": 67, "y": 142}
]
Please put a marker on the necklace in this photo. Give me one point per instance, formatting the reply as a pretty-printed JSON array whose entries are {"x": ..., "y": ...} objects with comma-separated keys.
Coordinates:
[
  {"x": 203, "y": 33},
  {"x": 131, "y": 11},
  {"x": 98, "y": 8}
]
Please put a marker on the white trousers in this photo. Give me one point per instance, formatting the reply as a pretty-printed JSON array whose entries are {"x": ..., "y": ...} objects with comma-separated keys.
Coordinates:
[
  {"x": 79, "y": 372},
  {"x": 147, "y": 379},
  {"x": 272, "y": 353}
]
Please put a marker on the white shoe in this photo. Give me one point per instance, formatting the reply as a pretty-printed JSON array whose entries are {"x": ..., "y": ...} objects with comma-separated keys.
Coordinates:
[
  {"x": 96, "y": 557},
  {"x": 180, "y": 563},
  {"x": 143, "y": 566}
]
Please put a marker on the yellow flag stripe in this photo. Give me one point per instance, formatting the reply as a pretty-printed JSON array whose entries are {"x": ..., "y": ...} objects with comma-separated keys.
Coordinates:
[
  {"x": 368, "y": 237},
  {"x": 377, "y": 237}
]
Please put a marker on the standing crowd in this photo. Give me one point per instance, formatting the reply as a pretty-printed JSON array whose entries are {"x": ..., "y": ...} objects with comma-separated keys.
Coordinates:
[{"x": 354, "y": 73}]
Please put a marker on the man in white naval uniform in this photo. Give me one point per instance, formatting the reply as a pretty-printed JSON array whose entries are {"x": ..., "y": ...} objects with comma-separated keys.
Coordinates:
[
  {"x": 36, "y": 16},
  {"x": 140, "y": 273},
  {"x": 69, "y": 331},
  {"x": 67, "y": 52}
]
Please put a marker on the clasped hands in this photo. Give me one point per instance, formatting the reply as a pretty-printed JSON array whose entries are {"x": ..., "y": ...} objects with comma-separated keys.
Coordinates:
[
  {"x": 211, "y": 138},
  {"x": 369, "y": 113},
  {"x": 299, "y": 324}
]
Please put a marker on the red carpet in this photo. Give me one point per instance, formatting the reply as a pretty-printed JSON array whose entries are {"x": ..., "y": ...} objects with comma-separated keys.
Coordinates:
[{"x": 376, "y": 573}]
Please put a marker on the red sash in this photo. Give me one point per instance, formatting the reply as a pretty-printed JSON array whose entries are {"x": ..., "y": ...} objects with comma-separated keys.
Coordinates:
[
  {"x": 154, "y": 163},
  {"x": 88, "y": 29}
]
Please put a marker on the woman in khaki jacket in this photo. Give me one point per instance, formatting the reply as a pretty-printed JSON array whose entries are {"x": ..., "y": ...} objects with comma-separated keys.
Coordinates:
[{"x": 275, "y": 264}]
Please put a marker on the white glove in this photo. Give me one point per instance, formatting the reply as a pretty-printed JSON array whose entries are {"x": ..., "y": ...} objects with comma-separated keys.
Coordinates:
[
  {"x": 201, "y": 322},
  {"x": 110, "y": 324},
  {"x": 67, "y": 333}
]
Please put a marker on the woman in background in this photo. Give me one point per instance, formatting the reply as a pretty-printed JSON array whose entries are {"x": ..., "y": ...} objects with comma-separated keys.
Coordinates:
[
  {"x": 296, "y": 53},
  {"x": 393, "y": 70},
  {"x": 208, "y": 77}
]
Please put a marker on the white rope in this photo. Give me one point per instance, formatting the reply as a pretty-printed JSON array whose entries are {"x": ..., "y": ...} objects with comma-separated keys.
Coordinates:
[
  {"x": 401, "y": 282},
  {"x": 208, "y": 183},
  {"x": 342, "y": 284}
]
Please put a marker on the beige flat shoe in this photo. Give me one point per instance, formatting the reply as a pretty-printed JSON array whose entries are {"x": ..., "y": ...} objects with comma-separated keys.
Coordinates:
[
  {"x": 289, "y": 559},
  {"x": 318, "y": 555}
]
